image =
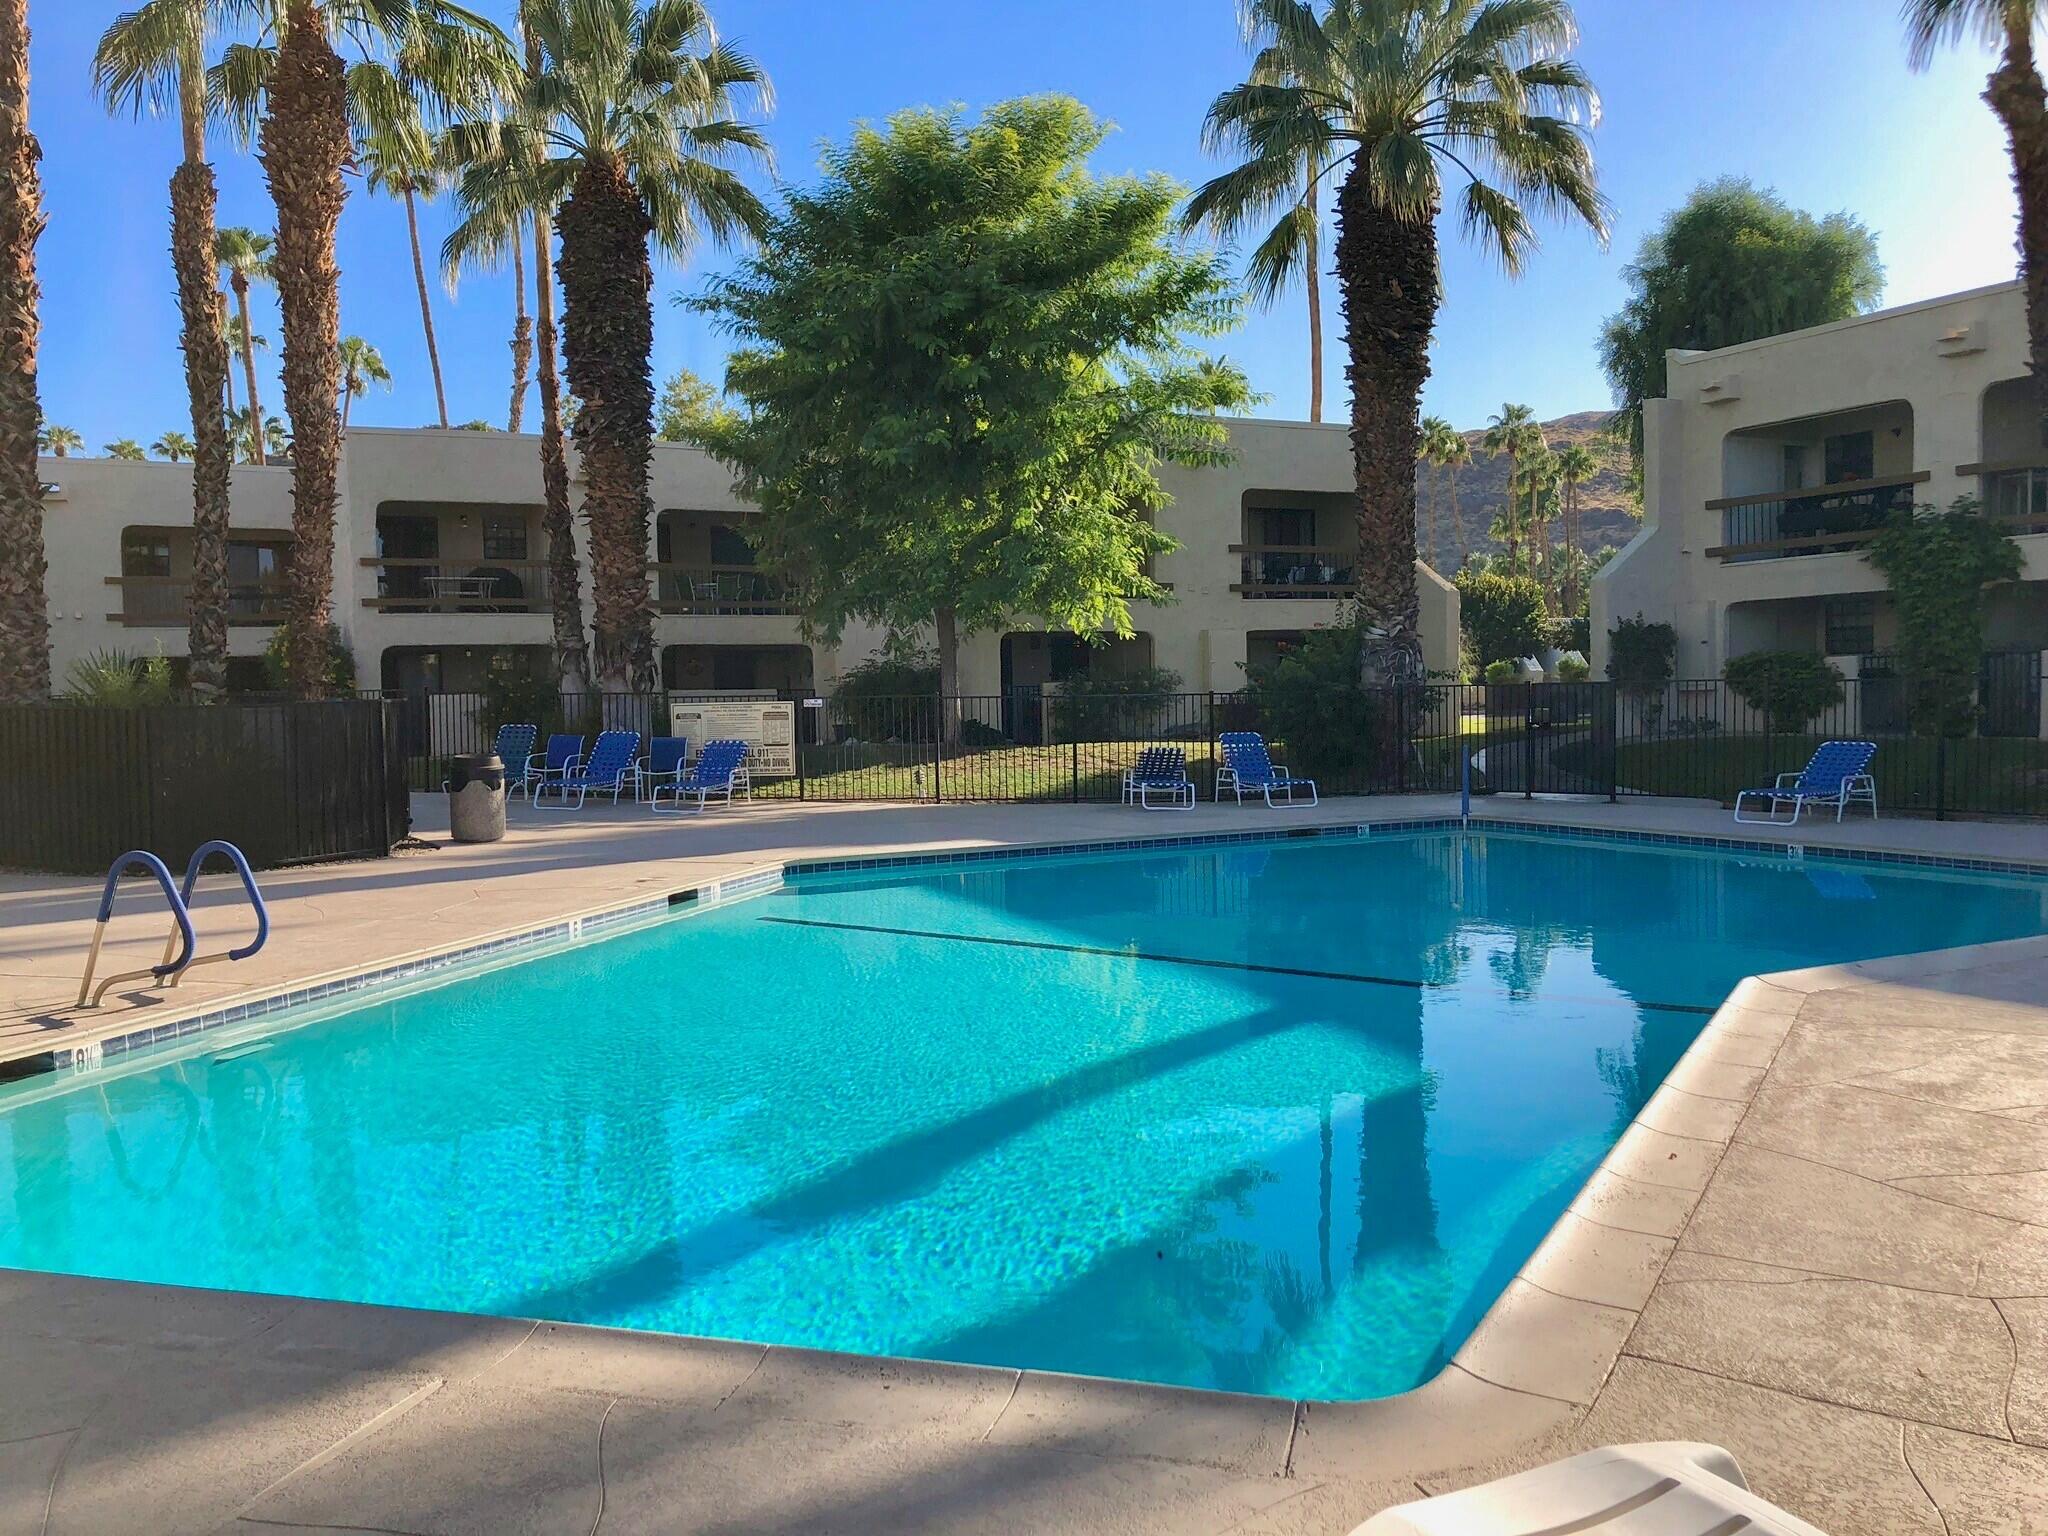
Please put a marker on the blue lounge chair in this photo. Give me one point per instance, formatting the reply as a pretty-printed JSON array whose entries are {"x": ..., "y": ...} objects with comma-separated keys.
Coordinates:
[
  {"x": 514, "y": 746},
  {"x": 1247, "y": 769},
  {"x": 661, "y": 764},
  {"x": 551, "y": 766},
  {"x": 1838, "y": 774},
  {"x": 608, "y": 769},
  {"x": 1162, "y": 772},
  {"x": 720, "y": 770}
]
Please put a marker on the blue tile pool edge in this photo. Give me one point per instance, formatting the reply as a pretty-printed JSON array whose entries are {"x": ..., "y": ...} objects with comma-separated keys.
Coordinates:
[{"x": 94, "y": 1054}]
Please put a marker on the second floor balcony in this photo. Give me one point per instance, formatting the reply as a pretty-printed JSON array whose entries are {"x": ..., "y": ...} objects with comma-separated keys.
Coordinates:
[
  {"x": 717, "y": 589},
  {"x": 411, "y": 584},
  {"x": 149, "y": 602},
  {"x": 1820, "y": 520},
  {"x": 1295, "y": 571}
]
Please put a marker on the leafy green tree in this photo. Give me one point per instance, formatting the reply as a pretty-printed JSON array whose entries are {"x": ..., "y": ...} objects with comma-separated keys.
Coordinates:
[
  {"x": 1733, "y": 264},
  {"x": 124, "y": 448},
  {"x": 1938, "y": 565},
  {"x": 691, "y": 410},
  {"x": 1642, "y": 655},
  {"x": 1314, "y": 706},
  {"x": 964, "y": 358},
  {"x": 1392, "y": 97},
  {"x": 1501, "y": 615},
  {"x": 1789, "y": 687},
  {"x": 2017, "y": 95}
]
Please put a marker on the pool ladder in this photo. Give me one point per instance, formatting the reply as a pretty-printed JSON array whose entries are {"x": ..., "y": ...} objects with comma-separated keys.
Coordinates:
[{"x": 179, "y": 946}]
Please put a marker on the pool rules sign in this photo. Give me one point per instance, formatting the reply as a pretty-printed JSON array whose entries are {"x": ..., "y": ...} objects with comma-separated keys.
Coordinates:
[{"x": 768, "y": 726}]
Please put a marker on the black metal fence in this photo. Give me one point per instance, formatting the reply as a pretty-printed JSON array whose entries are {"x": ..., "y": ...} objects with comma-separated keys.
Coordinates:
[
  {"x": 287, "y": 783},
  {"x": 1690, "y": 739}
]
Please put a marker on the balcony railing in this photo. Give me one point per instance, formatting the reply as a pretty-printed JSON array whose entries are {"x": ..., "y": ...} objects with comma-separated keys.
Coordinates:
[
  {"x": 706, "y": 589},
  {"x": 1295, "y": 570},
  {"x": 153, "y": 601},
  {"x": 1825, "y": 520},
  {"x": 459, "y": 586}
]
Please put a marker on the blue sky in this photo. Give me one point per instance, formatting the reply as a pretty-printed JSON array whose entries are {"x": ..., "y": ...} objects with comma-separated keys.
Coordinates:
[{"x": 1812, "y": 97}]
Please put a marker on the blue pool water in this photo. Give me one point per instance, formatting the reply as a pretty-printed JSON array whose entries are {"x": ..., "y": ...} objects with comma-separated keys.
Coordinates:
[{"x": 1277, "y": 1118}]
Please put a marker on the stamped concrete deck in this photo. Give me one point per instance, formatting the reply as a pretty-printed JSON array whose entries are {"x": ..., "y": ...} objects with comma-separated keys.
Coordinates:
[{"x": 1824, "y": 1245}]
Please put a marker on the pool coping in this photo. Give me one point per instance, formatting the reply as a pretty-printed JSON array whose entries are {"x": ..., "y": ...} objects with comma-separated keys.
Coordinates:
[
  {"x": 1536, "y": 1360},
  {"x": 418, "y": 965}
]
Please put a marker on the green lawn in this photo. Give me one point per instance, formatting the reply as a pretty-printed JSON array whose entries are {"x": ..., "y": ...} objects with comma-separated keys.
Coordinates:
[{"x": 1984, "y": 775}]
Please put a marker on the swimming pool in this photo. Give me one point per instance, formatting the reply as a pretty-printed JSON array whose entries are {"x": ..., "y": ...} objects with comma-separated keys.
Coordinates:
[{"x": 1280, "y": 1118}]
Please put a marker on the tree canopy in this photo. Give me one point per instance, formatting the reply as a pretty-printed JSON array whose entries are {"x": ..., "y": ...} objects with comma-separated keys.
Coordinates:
[
  {"x": 963, "y": 358},
  {"x": 1733, "y": 264},
  {"x": 690, "y": 410}
]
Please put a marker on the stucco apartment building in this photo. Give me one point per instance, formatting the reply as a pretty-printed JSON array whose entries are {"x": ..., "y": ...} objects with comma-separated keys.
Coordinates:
[
  {"x": 440, "y": 564},
  {"x": 1767, "y": 464}
]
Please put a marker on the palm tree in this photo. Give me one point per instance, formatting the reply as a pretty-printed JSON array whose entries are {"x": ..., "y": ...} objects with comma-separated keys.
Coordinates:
[
  {"x": 1290, "y": 246},
  {"x": 1539, "y": 477},
  {"x": 176, "y": 447},
  {"x": 2015, "y": 92},
  {"x": 361, "y": 366},
  {"x": 1454, "y": 453},
  {"x": 1576, "y": 464},
  {"x": 59, "y": 441},
  {"x": 292, "y": 92},
  {"x": 152, "y": 60},
  {"x": 501, "y": 196},
  {"x": 24, "y": 607},
  {"x": 124, "y": 448},
  {"x": 635, "y": 103},
  {"x": 244, "y": 434},
  {"x": 1396, "y": 92},
  {"x": 246, "y": 257},
  {"x": 1440, "y": 443},
  {"x": 1512, "y": 431},
  {"x": 397, "y": 158}
]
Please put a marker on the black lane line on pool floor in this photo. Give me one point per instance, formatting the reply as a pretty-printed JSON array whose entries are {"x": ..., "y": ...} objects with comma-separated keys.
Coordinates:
[{"x": 1136, "y": 954}]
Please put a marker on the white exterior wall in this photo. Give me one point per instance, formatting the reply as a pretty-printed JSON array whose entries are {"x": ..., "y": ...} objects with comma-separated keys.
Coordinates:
[
  {"x": 1937, "y": 359},
  {"x": 1201, "y": 634}
]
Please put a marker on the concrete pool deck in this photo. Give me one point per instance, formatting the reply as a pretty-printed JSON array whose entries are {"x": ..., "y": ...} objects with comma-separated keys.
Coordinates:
[{"x": 1824, "y": 1245}]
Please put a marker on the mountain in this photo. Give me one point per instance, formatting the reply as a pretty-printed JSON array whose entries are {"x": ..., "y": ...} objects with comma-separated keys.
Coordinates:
[{"x": 1606, "y": 512}]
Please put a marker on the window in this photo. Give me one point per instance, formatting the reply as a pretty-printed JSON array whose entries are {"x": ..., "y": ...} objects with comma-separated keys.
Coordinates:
[
  {"x": 251, "y": 565},
  {"x": 1795, "y": 467},
  {"x": 1288, "y": 527},
  {"x": 1851, "y": 624},
  {"x": 145, "y": 554},
  {"x": 729, "y": 548},
  {"x": 504, "y": 536},
  {"x": 1849, "y": 456}
]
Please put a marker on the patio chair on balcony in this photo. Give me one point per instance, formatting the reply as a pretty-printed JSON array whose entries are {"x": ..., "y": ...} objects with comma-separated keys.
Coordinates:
[
  {"x": 1838, "y": 774},
  {"x": 1161, "y": 774},
  {"x": 608, "y": 769},
  {"x": 549, "y": 767},
  {"x": 720, "y": 771},
  {"x": 1248, "y": 769},
  {"x": 661, "y": 764}
]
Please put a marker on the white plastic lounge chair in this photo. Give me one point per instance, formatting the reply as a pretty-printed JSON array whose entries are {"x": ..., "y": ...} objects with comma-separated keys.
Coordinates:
[
  {"x": 1837, "y": 774},
  {"x": 1161, "y": 773},
  {"x": 1667, "y": 1488}
]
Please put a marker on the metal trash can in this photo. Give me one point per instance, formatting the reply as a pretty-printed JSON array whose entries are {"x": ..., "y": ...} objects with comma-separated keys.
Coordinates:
[{"x": 476, "y": 798}]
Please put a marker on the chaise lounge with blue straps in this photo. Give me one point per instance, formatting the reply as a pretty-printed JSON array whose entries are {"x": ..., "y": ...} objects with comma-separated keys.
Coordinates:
[{"x": 1838, "y": 774}]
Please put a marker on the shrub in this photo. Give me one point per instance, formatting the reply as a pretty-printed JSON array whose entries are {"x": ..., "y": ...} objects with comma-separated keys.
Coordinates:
[
  {"x": 117, "y": 679},
  {"x": 1790, "y": 687},
  {"x": 1573, "y": 668},
  {"x": 1311, "y": 699},
  {"x": 1501, "y": 615},
  {"x": 1641, "y": 656},
  {"x": 1111, "y": 708},
  {"x": 515, "y": 694},
  {"x": 891, "y": 696},
  {"x": 1504, "y": 671},
  {"x": 1938, "y": 565},
  {"x": 341, "y": 661}
]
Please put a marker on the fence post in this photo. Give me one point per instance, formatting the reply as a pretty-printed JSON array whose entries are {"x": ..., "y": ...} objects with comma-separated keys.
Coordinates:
[
  {"x": 1941, "y": 775},
  {"x": 1528, "y": 741},
  {"x": 938, "y": 747},
  {"x": 800, "y": 716},
  {"x": 1074, "y": 770},
  {"x": 1209, "y": 709},
  {"x": 1612, "y": 697}
]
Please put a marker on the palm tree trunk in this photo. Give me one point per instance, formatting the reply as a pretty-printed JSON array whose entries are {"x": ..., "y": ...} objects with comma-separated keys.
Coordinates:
[
  {"x": 1315, "y": 315},
  {"x": 227, "y": 375},
  {"x": 206, "y": 359},
  {"x": 565, "y": 597},
  {"x": 348, "y": 398},
  {"x": 522, "y": 339},
  {"x": 608, "y": 342},
  {"x": 2015, "y": 93},
  {"x": 1387, "y": 270},
  {"x": 241, "y": 286},
  {"x": 304, "y": 144},
  {"x": 24, "y": 608},
  {"x": 419, "y": 275}
]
